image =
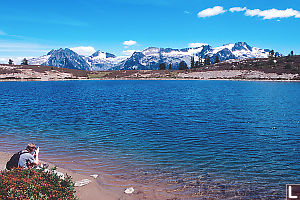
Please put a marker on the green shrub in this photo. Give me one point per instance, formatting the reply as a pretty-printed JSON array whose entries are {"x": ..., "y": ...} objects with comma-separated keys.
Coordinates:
[{"x": 35, "y": 184}]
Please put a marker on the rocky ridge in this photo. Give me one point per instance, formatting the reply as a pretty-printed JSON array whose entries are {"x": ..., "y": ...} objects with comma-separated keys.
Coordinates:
[{"x": 149, "y": 58}]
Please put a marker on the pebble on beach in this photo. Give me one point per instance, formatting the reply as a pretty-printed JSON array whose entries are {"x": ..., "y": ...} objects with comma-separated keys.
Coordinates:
[
  {"x": 94, "y": 176},
  {"x": 129, "y": 190}
]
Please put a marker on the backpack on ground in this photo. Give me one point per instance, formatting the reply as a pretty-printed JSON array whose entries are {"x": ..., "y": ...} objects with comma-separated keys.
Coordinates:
[{"x": 14, "y": 160}]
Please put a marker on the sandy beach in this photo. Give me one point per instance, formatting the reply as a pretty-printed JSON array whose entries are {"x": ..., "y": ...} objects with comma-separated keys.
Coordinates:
[{"x": 91, "y": 191}]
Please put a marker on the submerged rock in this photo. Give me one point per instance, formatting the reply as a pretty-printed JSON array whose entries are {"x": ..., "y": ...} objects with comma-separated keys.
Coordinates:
[{"x": 81, "y": 183}]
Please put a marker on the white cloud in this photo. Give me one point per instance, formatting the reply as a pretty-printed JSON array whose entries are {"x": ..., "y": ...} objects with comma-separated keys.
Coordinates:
[
  {"x": 84, "y": 51},
  {"x": 273, "y": 13},
  {"x": 193, "y": 45},
  {"x": 186, "y": 12},
  {"x": 253, "y": 12},
  {"x": 237, "y": 9},
  {"x": 3, "y": 60},
  {"x": 211, "y": 11},
  {"x": 17, "y": 51},
  {"x": 129, "y": 52},
  {"x": 266, "y": 14},
  {"x": 129, "y": 43}
]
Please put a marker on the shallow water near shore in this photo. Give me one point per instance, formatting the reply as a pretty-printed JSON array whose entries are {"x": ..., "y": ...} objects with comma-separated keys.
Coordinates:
[{"x": 195, "y": 139}]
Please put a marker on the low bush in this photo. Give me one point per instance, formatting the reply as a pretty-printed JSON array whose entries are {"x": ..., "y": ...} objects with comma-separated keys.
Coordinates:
[{"x": 33, "y": 184}]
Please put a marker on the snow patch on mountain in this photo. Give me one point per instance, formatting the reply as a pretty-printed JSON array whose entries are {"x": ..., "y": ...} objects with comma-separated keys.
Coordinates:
[
  {"x": 39, "y": 60},
  {"x": 149, "y": 58},
  {"x": 103, "y": 61}
]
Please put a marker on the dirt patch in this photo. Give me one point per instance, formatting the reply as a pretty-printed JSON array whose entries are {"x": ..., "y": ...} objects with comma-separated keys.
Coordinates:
[{"x": 39, "y": 72}]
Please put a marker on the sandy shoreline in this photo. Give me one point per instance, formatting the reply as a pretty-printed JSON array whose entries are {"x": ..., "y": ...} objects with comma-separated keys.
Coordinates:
[{"x": 91, "y": 191}]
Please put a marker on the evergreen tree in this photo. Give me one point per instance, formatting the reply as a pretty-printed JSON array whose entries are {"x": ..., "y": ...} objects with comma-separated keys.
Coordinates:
[
  {"x": 182, "y": 65},
  {"x": 162, "y": 66},
  {"x": 217, "y": 59},
  {"x": 170, "y": 67},
  {"x": 24, "y": 62},
  {"x": 292, "y": 53},
  {"x": 197, "y": 64},
  {"x": 207, "y": 60},
  {"x": 192, "y": 62},
  {"x": 10, "y": 62},
  {"x": 271, "y": 53}
]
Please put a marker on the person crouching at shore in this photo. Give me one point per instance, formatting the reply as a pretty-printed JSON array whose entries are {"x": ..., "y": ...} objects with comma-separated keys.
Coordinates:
[{"x": 29, "y": 156}]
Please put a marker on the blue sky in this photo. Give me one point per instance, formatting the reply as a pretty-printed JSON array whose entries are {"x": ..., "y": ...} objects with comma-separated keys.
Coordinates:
[{"x": 32, "y": 28}]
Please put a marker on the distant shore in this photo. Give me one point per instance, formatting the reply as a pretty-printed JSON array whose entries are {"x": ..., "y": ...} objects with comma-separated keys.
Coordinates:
[
  {"x": 227, "y": 72},
  {"x": 150, "y": 79}
]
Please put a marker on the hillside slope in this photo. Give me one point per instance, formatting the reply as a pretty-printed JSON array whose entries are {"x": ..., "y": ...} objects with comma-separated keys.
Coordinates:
[{"x": 281, "y": 68}]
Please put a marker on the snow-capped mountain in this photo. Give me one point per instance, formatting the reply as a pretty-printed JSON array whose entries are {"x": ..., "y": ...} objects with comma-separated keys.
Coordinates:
[
  {"x": 64, "y": 58},
  {"x": 104, "y": 61},
  {"x": 149, "y": 58},
  {"x": 241, "y": 50}
]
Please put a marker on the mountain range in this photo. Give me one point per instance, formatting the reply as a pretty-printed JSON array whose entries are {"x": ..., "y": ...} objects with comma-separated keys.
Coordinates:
[{"x": 149, "y": 58}]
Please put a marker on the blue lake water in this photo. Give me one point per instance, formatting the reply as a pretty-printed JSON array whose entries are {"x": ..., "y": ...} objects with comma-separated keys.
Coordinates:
[{"x": 218, "y": 139}]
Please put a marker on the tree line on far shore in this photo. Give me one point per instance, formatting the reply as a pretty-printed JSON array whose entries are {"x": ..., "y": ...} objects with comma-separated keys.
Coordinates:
[
  {"x": 194, "y": 64},
  {"x": 207, "y": 61}
]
